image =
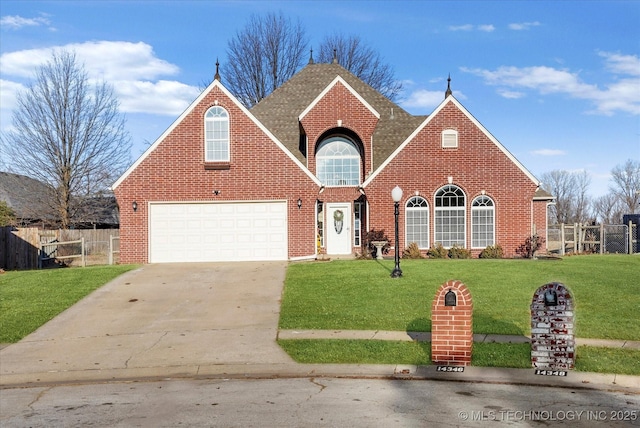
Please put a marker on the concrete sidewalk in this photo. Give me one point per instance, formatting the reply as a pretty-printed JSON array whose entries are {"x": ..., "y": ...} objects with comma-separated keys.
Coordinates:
[{"x": 215, "y": 320}]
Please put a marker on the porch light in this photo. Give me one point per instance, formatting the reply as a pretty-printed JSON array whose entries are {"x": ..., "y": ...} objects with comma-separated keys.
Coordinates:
[
  {"x": 134, "y": 205},
  {"x": 396, "y": 195},
  {"x": 299, "y": 203}
]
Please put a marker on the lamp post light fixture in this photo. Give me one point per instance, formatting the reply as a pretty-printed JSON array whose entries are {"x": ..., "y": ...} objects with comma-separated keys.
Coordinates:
[{"x": 396, "y": 195}]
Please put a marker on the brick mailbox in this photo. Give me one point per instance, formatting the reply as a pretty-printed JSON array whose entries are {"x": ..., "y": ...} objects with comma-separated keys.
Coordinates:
[
  {"x": 451, "y": 325},
  {"x": 552, "y": 328}
]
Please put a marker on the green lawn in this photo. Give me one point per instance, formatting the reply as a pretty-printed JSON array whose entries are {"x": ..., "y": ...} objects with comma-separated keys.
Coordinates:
[
  {"x": 28, "y": 299},
  {"x": 360, "y": 295},
  {"x": 515, "y": 355}
]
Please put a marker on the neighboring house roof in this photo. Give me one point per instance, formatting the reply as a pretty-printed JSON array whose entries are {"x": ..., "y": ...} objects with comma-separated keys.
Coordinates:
[
  {"x": 25, "y": 195},
  {"x": 281, "y": 110}
]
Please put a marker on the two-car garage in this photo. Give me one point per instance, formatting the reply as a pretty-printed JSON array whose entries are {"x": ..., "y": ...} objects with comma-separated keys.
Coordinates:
[{"x": 216, "y": 232}]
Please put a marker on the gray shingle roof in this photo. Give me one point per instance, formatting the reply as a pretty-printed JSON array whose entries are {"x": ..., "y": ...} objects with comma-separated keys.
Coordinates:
[
  {"x": 280, "y": 110},
  {"x": 25, "y": 195}
]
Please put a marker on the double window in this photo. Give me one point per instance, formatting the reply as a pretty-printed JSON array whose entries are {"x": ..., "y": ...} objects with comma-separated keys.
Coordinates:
[
  {"x": 338, "y": 162},
  {"x": 216, "y": 135}
]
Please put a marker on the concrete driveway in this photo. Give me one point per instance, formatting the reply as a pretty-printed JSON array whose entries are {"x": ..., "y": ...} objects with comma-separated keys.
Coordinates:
[{"x": 159, "y": 320}]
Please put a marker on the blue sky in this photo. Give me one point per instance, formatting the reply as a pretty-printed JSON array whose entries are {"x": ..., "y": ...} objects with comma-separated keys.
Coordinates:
[{"x": 557, "y": 83}]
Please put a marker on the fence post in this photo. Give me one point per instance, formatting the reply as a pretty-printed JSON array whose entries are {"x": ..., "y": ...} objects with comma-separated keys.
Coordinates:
[
  {"x": 562, "y": 238},
  {"x": 630, "y": 232},
  {"x": 110, "y": 249},
  {"x": 84, "y": 262},
  {"x": 601, "y": 238},
  {"x": 576, "y": 238}
]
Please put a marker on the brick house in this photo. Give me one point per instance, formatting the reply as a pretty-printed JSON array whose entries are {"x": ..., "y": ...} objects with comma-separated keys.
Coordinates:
[{"x": 310, "y": 169}]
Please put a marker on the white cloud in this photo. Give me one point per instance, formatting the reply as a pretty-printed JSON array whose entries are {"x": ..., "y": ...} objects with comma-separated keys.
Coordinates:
[
  {"x": 162, "y": 97},
  {"x": 622, "y": 64},
  {"x": 470, "y": 27},
  {"x": 622, "y": 95},
  {"x": 8, "y": 91},
  {"x": 102, "y": 59},
  {"x": 520, "y": 26},
  {"x": 132, "y": 68},
  {"x": 423, "y": 98},
  {"x": 549, "y": 152},
  {"x": 466, "y": 27},
  {"x": 511, "y": 94},
  {"x": 16, "y": 22}
]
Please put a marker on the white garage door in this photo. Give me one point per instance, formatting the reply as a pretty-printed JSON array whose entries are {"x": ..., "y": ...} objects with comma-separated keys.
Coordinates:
[{"x": 213, "y": 232}]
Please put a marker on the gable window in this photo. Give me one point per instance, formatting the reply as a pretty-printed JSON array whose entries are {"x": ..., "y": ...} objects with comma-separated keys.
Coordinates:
[
  {"x": 449, "y": 139},
  {"x": 417, "y": 222},
  {"x": 450, "y": 216},
  {"x": 482, "y": 222},
  {"x": 338, "y": 162},
  {"x": 216, "y": 135}
]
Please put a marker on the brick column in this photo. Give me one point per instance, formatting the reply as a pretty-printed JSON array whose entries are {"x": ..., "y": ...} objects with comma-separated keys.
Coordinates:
[{"x": 451, "y": 326}]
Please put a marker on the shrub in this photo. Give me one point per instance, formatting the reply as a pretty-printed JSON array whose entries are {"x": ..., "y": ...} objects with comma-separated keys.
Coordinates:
[
  {"x": 530, "y": 246},
  {"x": 457, "y": 252},
  {"x": 492, "y": 252},
  {"x": 437, "y": 252},
  {"x": 412, "y": 252}
]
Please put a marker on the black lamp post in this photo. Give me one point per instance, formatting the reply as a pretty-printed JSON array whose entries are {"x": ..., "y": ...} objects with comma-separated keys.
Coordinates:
[{"x": 396, "y": 195}]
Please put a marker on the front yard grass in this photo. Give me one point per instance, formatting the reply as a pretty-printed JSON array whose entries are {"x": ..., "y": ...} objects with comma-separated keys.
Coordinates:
[
  {"x": 360, "y": 295},
  {"x": 28, "y": 299}
]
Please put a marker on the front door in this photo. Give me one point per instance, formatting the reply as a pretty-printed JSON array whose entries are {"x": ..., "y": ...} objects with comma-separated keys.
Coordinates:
[{"x": 338, "y": 228}]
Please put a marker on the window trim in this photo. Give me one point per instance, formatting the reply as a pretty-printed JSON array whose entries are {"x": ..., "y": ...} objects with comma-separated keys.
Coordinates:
[
  {"x": 425, "y": 209},
  {"x": 222, "y": 162},
  {"x": 476, "y": 208}
]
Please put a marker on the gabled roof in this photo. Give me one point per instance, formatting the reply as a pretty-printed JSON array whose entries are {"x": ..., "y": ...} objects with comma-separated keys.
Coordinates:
[
  {"x": 215, "y": 84},
  {"x": 26, "y": 196},
  {"x": 451, "y": 99},
  {"x": 281, "y": 110}
]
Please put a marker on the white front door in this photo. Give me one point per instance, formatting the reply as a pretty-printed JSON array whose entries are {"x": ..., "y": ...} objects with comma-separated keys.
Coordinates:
[{"x": 338, "y": 228}]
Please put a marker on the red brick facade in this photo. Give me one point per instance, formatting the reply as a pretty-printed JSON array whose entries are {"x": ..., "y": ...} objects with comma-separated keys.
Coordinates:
[{"x": 262, "y": 168}]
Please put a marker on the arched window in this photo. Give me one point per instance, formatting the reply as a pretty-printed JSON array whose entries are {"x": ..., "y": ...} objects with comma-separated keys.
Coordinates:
[
  {"x": 450, "y": 216},
  {"x": 338, "y": 162},
  {"x": 482, "y": 222},
  {"x": 417, "y": 222},
  {"x": 216, "y": 135}
]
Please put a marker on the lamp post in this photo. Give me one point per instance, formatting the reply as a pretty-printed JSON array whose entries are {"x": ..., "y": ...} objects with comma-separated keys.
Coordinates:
[{"x": 396, "y": 195}]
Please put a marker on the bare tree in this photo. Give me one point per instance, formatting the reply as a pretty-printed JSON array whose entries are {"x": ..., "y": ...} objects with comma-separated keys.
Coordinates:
[
  {"x": 626, "y": 187},
  {"x": 354, "y": 55},
  {"x": 262, "y": 56},
  {"x": 608, "y": 209},
  {"x": 68, "y": 133},
  {"x": 570, "y": 190}
]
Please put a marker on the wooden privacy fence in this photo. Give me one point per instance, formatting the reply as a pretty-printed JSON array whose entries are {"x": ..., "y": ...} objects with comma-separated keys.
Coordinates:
[{"x": 30, "y": 248}]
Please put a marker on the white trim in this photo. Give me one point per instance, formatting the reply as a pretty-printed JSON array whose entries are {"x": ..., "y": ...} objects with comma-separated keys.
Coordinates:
[
  {"x": 470, "y": 117},
  {"x": 192, "y": 106},
  {"x": 337, "y": 80},
  {"x": 303, "y": 258}
]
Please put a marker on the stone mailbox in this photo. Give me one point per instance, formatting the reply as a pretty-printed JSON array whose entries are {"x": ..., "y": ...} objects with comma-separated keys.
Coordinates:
[
  {"x": 552, "y": 322},
  {"x": 451, "y": 325}
]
